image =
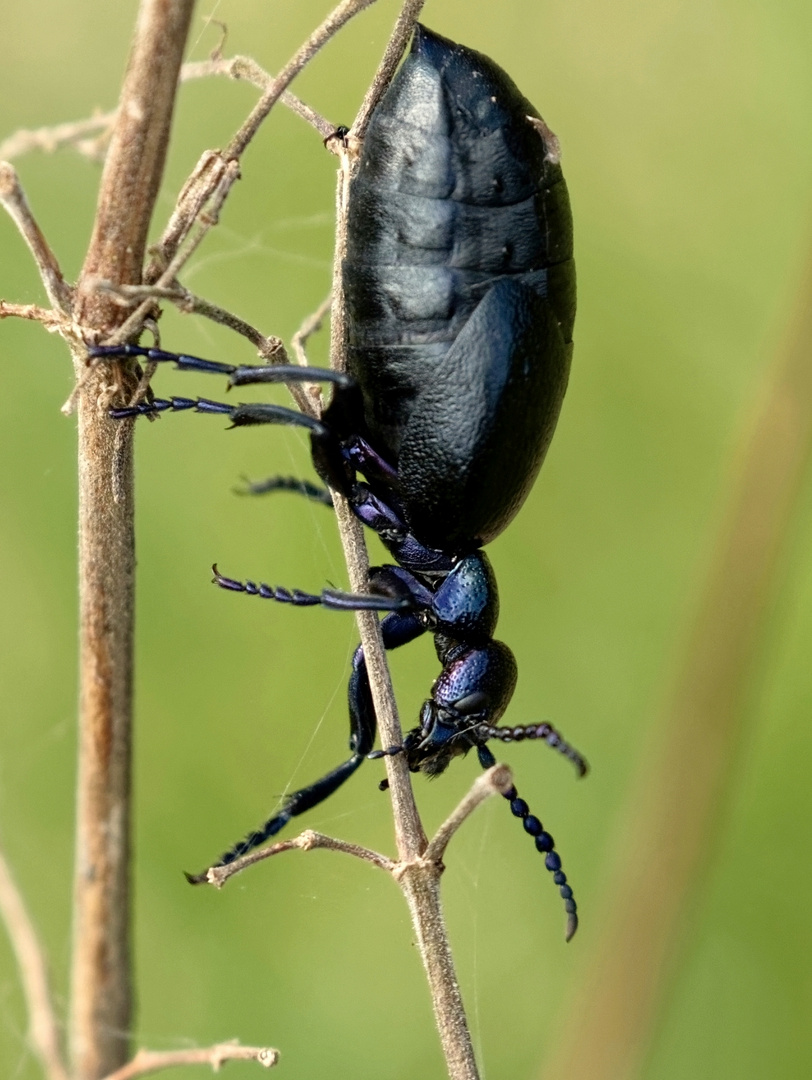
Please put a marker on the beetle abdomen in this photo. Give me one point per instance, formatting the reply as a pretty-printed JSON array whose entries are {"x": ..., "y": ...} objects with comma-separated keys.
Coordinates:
[{"x": 456, "y": 191}]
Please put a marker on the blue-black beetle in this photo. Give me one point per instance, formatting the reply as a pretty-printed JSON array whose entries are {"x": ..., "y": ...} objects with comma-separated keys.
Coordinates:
[{"x": 460, "y": 293}]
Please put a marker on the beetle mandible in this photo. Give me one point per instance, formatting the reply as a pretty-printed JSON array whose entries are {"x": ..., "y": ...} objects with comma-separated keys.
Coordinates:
[{"x": 460, "y": 292}]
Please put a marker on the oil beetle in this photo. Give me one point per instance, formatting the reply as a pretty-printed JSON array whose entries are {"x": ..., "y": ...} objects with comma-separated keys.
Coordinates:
[{"x": 460, "y": 292}]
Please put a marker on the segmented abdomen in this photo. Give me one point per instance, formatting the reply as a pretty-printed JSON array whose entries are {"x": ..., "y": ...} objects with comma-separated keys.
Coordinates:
[{"x": 456, "y": 189}]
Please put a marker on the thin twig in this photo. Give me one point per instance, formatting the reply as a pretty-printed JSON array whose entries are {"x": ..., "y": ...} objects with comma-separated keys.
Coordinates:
[
  {"x": 404, "y": 28},
  {"x": 314, "y": 402},
  {"x": 100, "y": 978},
  {"x": 311, "y": 325},
  {"x": 498, "y": 780},
  {"x": 52, "y": 320},
  {"x": 74, "y": 132},
  {"x": 340, "y": 15},
  {"x": 419, "y": 878},
  {"x": 50, "y": 139},
  {"x": 244, "y": 68},
  {"x": 13, "y": 199},
  {"x": 151, "y": 1061},
  {"x": 308, "y": 840},
  {"x": 268, "y": 348},
  {"x": 43, "y": 1026},
  {"x": 206, "y": 216}
]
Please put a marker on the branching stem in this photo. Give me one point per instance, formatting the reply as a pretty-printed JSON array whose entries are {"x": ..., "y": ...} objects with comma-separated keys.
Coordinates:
[{"x": 152, "y": 1061}]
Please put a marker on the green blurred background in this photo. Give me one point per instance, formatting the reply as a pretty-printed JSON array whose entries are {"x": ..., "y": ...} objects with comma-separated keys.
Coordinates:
[{"x": 685, "y": 129}]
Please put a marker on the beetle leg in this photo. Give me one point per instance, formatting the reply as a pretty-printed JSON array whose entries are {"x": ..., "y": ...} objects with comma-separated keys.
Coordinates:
[
  {"x": 243, "y": 415},
  {"x": 397, "y": 630},
  {"x": 240, "y": 374},
  {"x": 334, "y": 599},
  {"x": 368, "y": 461},
  {"x": 545, "y": 844},
  {"x": 295, "y": 804},
  {"x": 180, "y": 360},
  {"x": 385, "y": 520},
  {"x": 249, "y": 374},
  {"x": 288, "y": 483}
]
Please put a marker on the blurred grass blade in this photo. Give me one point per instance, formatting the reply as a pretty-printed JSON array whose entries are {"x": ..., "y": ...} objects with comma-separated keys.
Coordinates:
[{"x": 667, "y": 831}]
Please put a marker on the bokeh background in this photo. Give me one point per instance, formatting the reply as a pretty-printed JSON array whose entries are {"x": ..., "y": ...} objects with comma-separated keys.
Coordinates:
[{"x": 685, "y": 130}]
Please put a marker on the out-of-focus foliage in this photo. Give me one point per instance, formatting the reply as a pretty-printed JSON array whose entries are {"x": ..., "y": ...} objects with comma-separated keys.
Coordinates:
[{"x": 685, "y": 135}]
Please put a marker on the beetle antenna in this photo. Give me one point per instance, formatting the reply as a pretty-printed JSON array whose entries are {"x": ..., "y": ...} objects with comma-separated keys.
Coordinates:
[
  {"x": 552, "y": 860},
  {"x": 545, "y": 845},
  {"x": 543, "y": 731}
]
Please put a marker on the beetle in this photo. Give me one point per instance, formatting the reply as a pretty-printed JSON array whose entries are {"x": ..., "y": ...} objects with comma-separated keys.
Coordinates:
[{"x": 460, "y": 294}]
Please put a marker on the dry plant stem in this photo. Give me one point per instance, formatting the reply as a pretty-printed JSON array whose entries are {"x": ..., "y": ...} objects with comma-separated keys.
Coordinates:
[
  {"x": 404, "y": 27},
  {"x": 14, "y": 201},
  {"x": 311, "y": 325},
  {"x": 50, "y": 139},
  {"x": 497, "y": 780},
  {"x": 49, "y": 318},
  {"x": 243, "y": 68},
  {"x": 152, "y": 1061},
  {"x": 670, "y": 820},
  {"x": 420, "y": 881},
  {"x": 419, "y": 878},
  {"x": 100, "y": 980},
  {"x": 74, "y": 133},
  {"x": 340, "y": 15},
  {"x": 43, "y": 1027},
  {"x": 270, "y": 349},
  {"x": 309, "y": 840}
]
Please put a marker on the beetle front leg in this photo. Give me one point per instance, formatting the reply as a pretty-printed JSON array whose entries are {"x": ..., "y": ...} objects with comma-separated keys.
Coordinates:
[
  {"x": 397, "y": 630},
  {"x": 303, "y": 799}
]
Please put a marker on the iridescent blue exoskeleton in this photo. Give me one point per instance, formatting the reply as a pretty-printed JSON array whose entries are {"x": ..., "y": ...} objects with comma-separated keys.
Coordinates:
[{"x": 460, "y": 292}]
